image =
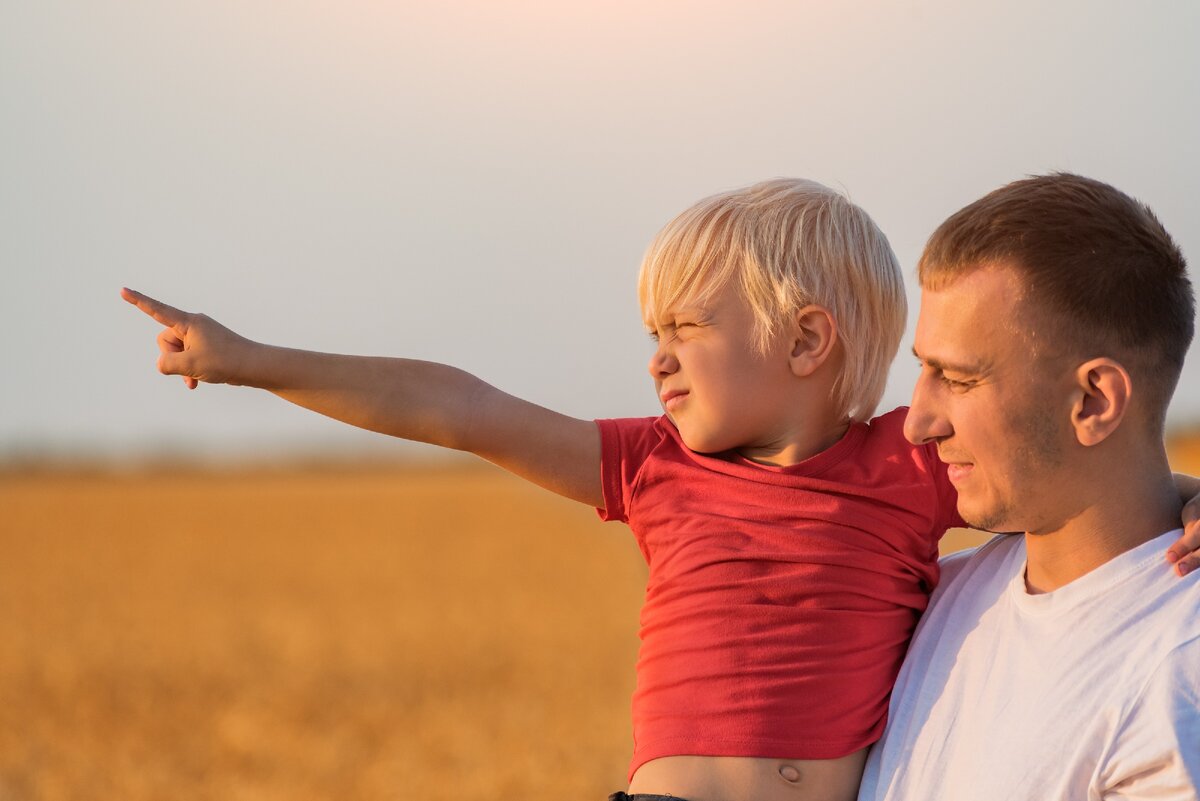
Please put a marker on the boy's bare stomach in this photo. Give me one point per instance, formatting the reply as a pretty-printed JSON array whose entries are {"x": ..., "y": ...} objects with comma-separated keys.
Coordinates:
[{"x": 700, "y": 778}]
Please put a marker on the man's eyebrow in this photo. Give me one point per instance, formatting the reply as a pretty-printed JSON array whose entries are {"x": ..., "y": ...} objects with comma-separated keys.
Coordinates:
[{"x": 938, "y": 364}]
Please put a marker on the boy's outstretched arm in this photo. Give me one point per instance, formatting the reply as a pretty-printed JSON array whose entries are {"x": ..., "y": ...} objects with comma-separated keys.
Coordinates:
[
  {"x": 1184, "y": 551},
  {"x": 405, "y": 398}
]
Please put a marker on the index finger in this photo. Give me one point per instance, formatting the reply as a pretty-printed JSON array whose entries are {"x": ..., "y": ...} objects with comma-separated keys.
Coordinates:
[{"x": 161, "y": 312}]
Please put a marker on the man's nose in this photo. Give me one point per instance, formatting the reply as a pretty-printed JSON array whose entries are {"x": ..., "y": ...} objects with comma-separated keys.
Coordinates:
[{"x": 926, "y": 421}]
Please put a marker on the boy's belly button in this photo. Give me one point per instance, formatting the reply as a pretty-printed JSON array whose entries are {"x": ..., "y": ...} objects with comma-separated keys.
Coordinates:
[
  {"x": 790, "y": 773},
  {"x": 751, "y": 778}
]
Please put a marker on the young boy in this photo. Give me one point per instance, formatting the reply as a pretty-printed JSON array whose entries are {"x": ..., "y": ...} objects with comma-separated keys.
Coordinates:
[{"x": 791, "y": 543}]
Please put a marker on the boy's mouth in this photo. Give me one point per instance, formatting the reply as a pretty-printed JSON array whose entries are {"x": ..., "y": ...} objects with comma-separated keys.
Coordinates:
[{"x": 672, "y": 398}]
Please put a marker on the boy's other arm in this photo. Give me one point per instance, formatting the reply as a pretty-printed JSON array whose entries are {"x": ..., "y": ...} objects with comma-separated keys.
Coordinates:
[
  {"x": 407, "y": 398},
  {"x": 1183, "y": 553}
]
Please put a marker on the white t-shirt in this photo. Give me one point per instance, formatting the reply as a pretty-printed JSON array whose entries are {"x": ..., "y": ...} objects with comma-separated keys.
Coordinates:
[{"x": 1088, "y": 692}]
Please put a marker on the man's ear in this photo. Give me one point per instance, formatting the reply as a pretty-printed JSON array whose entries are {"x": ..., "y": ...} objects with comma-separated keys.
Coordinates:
[
  {"x": 815, "y": 336},
  {"x": 1103, "y": 391}
]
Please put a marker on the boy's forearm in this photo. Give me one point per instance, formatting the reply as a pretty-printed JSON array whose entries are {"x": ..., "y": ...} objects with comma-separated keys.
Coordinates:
[
  {"x": 441, "y": 405},
  {"x": 405, "y": 398}
]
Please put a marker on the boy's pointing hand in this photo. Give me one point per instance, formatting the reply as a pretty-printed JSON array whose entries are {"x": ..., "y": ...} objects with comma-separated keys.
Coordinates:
[{"x": 193, "y": 345}]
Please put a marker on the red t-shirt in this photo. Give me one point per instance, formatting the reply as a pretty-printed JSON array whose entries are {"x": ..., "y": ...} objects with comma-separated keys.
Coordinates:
[{"x": 780, "y": 601}]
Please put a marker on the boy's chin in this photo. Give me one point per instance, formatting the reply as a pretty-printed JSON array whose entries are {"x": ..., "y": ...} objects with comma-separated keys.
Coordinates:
[{"x": 700, "y": 444}]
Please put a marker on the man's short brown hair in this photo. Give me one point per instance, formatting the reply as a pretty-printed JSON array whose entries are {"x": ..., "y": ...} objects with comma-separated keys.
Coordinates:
[{"x": 1108, "y": 276}]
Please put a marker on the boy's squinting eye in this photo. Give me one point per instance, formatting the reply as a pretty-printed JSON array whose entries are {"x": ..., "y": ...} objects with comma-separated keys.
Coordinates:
[
  {"x": 689, "y": 325},
  {"x": 667, "y": 333}
]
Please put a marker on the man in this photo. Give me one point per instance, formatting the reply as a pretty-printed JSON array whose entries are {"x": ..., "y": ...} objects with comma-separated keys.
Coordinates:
[{"x": 1064, "y": 663}]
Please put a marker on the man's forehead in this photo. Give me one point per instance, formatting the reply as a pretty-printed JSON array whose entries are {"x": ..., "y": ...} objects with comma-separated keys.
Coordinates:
[
  {"x": 962, "y": 324},
  {"x": 987, "y": 294}
]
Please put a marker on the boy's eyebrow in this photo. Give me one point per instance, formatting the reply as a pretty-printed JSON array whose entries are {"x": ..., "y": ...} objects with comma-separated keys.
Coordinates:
[
  {"x": 938, "y": 364},
  {"x": 687, "y": 308}
]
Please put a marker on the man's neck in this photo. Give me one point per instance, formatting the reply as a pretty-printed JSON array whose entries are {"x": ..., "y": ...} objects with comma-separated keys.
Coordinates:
[{"x": 1125, "y": 514}]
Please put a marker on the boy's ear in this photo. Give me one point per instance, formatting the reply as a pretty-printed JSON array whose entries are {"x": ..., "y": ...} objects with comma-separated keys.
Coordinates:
[
  {"x": 815, "y": 336},
  {"x": 1102, "y": 394}
]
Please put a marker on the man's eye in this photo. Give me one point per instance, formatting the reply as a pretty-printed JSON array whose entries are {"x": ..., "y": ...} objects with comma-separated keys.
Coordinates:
[{"x": 956, "y": 385}]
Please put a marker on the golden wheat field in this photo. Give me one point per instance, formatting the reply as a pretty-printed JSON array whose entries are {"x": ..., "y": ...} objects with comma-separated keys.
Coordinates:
[{"x": 349, "y": 633}]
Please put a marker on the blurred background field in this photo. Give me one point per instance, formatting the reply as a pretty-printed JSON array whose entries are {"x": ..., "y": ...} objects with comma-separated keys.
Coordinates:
[
  {"x": 349, "y": 634},
  {"x": 444, "y": 632}
]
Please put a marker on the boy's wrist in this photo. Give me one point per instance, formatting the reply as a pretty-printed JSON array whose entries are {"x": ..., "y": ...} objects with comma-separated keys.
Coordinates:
[{"x": 252, "y": 366}]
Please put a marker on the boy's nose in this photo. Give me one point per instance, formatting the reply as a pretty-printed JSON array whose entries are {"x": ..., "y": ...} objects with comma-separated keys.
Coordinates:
[{"x": 662, "y": 363}]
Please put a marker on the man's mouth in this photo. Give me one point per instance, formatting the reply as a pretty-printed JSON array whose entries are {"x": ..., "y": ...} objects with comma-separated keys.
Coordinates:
[{"x": 958, "y": 472}]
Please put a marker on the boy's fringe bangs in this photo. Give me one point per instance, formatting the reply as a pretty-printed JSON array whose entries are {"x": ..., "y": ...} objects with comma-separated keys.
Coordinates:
[
  {"x": 687, "y": 262},
  {"x": 703, "y": 249}
]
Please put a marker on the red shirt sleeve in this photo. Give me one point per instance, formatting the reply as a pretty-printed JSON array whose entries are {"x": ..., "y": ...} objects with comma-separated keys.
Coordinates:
[{"x": 624, "y": 445}]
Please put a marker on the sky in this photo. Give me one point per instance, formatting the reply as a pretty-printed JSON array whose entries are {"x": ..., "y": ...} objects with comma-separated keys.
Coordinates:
[{"x": 475, "y": 182}]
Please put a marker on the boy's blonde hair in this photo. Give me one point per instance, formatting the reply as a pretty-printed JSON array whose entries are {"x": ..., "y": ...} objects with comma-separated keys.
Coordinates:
[{"x": 789, "y": 243}]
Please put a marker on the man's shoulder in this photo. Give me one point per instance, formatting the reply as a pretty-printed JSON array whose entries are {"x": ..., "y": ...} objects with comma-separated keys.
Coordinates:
[
  {"x": 1165, "y": 610},
  {"x": 1155, "y": 749}
]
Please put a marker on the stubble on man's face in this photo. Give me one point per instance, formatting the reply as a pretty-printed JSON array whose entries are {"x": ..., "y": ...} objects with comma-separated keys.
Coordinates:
[{"x": 1034, "y": 455}]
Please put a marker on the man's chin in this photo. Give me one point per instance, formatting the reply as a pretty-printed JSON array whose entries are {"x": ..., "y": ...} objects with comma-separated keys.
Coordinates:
[{"x": 996, "y": 521}]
